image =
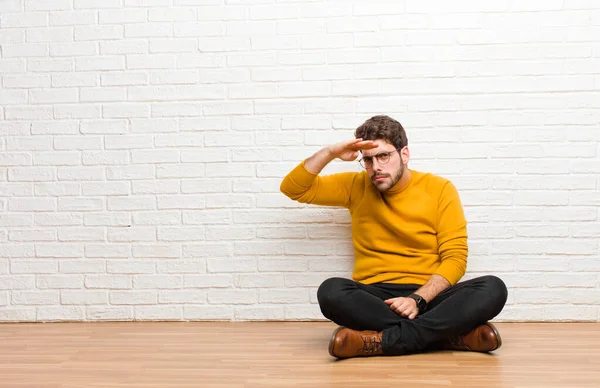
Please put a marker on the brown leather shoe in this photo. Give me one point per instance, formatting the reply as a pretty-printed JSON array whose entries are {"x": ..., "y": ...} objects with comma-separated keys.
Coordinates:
[
  {"x": 346, "y": 343},
  {"x": 483, "y": 338}
]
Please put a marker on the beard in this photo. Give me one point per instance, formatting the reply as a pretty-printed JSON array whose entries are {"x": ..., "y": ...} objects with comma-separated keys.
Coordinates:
[{"x": 390, "y": 180}]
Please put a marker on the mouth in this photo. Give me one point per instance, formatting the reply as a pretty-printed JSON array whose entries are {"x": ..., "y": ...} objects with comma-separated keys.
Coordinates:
[{"x": 379, "y": 178}]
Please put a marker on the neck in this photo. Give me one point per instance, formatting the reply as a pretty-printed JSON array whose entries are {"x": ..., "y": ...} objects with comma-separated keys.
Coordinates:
[{"x": 402, "y": 183}]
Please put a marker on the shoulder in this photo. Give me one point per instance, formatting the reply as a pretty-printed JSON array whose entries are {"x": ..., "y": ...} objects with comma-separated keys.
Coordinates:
[{"x": 433, "y": 184}]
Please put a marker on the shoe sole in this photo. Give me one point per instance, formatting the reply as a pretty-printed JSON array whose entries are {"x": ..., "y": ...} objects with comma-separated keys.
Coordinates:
[
  {"x": 332, "y": 342},
  {"x": 497, "y": 333}
]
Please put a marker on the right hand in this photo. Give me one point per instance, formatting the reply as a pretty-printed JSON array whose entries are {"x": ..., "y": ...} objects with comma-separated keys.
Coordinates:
[{"x": 348, "y": 150}]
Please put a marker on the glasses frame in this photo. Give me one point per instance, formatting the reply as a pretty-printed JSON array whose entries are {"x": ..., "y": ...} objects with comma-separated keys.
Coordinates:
[{"x": 362, "y": 161}]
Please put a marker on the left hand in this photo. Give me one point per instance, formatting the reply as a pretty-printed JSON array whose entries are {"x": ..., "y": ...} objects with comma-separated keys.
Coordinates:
[{"x": 406, "y": 307}]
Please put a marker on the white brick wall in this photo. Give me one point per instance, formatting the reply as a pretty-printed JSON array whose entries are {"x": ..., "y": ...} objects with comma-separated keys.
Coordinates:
[{"x": 143, "y": 143}]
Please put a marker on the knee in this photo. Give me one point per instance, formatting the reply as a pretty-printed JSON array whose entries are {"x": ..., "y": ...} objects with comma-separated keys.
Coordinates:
[
  {"x": 328, "y": 293},
  {"x": 496, "y": 288}
]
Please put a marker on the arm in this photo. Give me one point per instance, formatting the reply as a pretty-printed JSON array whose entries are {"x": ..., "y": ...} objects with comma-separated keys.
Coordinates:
[
  {"x": 452, "y": 249},
  {"x": 304, "y": 185},
  {"x": 452, "y": 236}
]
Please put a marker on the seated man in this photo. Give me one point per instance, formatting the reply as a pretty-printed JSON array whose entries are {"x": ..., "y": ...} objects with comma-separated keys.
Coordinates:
[{"x": 410, "y": 242}]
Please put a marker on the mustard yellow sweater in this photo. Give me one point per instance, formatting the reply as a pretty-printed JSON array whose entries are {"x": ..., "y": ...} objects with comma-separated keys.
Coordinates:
[{"x": 401, "y": 236}]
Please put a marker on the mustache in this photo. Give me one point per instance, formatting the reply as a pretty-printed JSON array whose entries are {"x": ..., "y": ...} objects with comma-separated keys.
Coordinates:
[{"x": 378, "y": 175}]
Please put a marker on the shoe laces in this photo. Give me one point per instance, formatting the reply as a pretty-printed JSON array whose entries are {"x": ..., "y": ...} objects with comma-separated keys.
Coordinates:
[{"x": 371, "y": 344}]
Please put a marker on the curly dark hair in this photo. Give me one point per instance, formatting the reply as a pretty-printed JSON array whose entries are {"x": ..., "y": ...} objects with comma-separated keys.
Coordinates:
[{"x": 383, "y": 127}]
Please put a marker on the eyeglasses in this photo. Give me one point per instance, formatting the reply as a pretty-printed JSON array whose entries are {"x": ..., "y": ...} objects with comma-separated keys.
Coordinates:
[{"x": 382, "y": 158}]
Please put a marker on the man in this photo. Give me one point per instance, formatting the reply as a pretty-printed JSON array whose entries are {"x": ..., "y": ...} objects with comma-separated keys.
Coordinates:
[{"x": 410, "y": 243}]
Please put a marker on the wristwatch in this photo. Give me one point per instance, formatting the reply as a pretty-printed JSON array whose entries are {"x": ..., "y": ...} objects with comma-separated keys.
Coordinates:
[{"x": 421, "y": 303}]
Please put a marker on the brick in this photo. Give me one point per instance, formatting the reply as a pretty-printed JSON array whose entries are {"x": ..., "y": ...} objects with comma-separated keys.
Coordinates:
[
  {"x": 108, "y": 281},
  {"x": 60, "y": 314},
  {"x": 152, "y": 313},
  {"x": 17, "y": 314}
]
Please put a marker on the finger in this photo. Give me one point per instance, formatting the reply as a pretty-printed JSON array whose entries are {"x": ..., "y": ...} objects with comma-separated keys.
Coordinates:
[{"x": 412, "y": 316}]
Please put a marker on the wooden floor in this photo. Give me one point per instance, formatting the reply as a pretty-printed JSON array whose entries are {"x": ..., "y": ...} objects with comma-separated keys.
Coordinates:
[{"x": 194, "y": 354}]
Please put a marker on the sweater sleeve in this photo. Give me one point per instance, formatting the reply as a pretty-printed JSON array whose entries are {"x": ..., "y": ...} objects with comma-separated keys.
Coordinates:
[
  {"x": 331, "y": 190},
  {"x": 451, "y": 235}
]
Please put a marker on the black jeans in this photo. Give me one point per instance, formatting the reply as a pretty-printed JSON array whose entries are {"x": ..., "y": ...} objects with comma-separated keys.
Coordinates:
[{"x": 455, "y": 311}]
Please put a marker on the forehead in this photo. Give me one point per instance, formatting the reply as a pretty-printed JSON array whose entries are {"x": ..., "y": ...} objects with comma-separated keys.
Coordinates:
[{"x": 382, "y": 146}]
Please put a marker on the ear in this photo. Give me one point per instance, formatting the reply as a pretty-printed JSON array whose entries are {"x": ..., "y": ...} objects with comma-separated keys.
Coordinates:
[{"x": 405, "y": 155}]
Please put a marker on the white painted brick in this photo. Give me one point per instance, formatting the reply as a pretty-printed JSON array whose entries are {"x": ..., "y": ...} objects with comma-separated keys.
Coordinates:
[
  {"x": 205, "y": 155},
  {"x": 208, "y": 281},
  {"x": 151, "y": 61},
  {"x": 148, "y": 30},
  {"x": 71, "y": 18},
  {"x": 81, "y": 234},
  {"x": 91, "y": 4},
  {"x": 236, "y": 233},
  {"x": 179, "y": 140},
  {"x": 131, "y": 203},
  {"x": 157, "y": 281},
  {"x": 28, "y": 113},
  {"x": 107, "y": 219},
  {"x": 135, "y": 297},
  {"x": 174, "y": 77},
  {"x": 250, "y": 59},
  {"x": 205, "y": 186},
  {"x": 17, "y": 282},
  {"x": 16, "y": 220},
  {"x": 15, "y": 65},
  {"x": 16, "y": 189},
  {"x": 59, "y": 281},
  {"x": 130, "y": 172},
  {"x": 156, "y": 187},
  {"x": 15, "y": 314},
  {"x": 190, "y": 234},
  {"x": 76, "y": 49},
  {"x": 58, "y": 219},
  {"x": 90, "y": 33},
  {"x": 26, "y": 81},
  {"x": 176, "y": 109},
  {"x": 157, "y": 218},
  {"x": 20, "y": 19},
  {"x": 107, "y": 250},
  {"x": 104, "y": 127},
  {"x": 105, "y": 157},
  {"x": 132, "y": 234},
  {"x": 57, "y": 158},
  {"x": 34, "y": 297},
  {"x": 83, "y": 297},
  {"x": 303, "y": 313},
  {"x": 265, "y": 313},
  {"x": 13, "y": 97},
  {"x": 171, "y": 14},
  {"x": 80, "y": 111},
  {"x": 179, "y": 266},
  {"x": 31, "y": 204},
  {"x": 53, "y": 34},
  {"x": 32, "y": 235},
  {"x": 162, "y": 156},
  {"x": 100, "y": 63},
  {"x": 185, "y": 296},
  {"x": 109, "y": 314},
  {"x": 3, "y": 298},
  {"x": 127, "y": 141},
  {"x": 122, "y": 16},
  {"x": 108, "y": 281},
  {"x": 206, "y": 313},
  {"x": 60, "y": 314},
  {"x": 102, "y": 94},
  {"x": 131, "y": 267},
  {"x": 233, "y": 265},
  {"x": 224, "y": 44},
  {"x": 80, "y": 204},
  {"x": 47, "y": 266},
  {"x": 283, "y": 296},
  {"x": 162, "y": 251},
  {"x": 123, "y": 46},
  {"x": 80, "y": 173},
  {"x": 153, "y": 313},
  {"x": 236, "y": 297},
  {"x": 65, "y": 80}
]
